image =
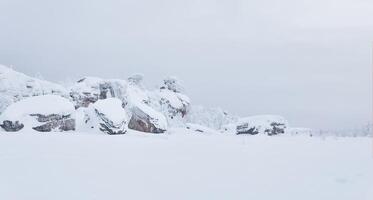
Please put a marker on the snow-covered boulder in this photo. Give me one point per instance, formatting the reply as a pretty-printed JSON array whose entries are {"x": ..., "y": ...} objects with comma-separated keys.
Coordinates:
[
  {"x": 146, "y": 119},
  {"x": 107, "y": 116},
  {"x": 42, "y": 113},
  {"x": 90, "y": 89},
  {"x": 15, "y": 86},
  {"x": 261, "y": 124}
]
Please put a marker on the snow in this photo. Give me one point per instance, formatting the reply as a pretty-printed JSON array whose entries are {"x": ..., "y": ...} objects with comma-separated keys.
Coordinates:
[
  {"x": 136, "y": 95},
  {"x": 15, "y": 86},
  {"x": 44, "y": 105},
  {"x": 214, "y": 118},
  {"x": 172, "y": 98},
  {"x": 182, "y": 165},
  {"x": 299, "y": 130},
  {"x": 112, "y": 109}
]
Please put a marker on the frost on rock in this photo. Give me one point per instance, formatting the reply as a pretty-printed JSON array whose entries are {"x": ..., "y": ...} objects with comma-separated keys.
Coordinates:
[
  {"x": 146, "y": 119},
  {"x": 214, "y": 118},
  {"x": 89, "y": 90},
  {"x": 261, "y": 124},
  {"x": 42, "y": 113},
  {"x": 108, "y": 116},
  {"x": 15, "y": 86}
]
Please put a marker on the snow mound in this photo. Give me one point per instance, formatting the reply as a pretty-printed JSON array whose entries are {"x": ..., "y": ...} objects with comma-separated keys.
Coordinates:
[{"x": 15, "y": 86}]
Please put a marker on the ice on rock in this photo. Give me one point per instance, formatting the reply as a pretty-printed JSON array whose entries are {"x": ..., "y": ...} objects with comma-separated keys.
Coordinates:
[{"x": 42, "y": 113}]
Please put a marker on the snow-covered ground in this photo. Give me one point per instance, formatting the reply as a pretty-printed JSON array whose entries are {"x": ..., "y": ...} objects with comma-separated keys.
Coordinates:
[{"x": 178, "y": 165}]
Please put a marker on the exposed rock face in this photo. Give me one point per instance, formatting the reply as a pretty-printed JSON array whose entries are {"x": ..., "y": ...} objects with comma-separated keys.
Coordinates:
[
  {"x": 145, "y": 119},
  {"x": 107, "y": 116},
  {"x": 10, "y": 126},
  {"x": 264, "y": 124},
  {"x": 15, "y": 86},
  {"x": 89, "y": 90},
  {"x": 54, "y": 122}
]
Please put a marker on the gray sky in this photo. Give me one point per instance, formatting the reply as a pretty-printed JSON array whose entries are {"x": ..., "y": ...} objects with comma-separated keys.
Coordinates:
[{"x": 309, "y": 61}]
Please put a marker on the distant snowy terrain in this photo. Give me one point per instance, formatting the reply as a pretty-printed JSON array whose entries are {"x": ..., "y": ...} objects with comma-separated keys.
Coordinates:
[{"x": 184, "y": 165}]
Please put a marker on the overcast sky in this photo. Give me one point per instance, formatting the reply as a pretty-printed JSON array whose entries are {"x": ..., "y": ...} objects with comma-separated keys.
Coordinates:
[{"x": 308, "y": 60}]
